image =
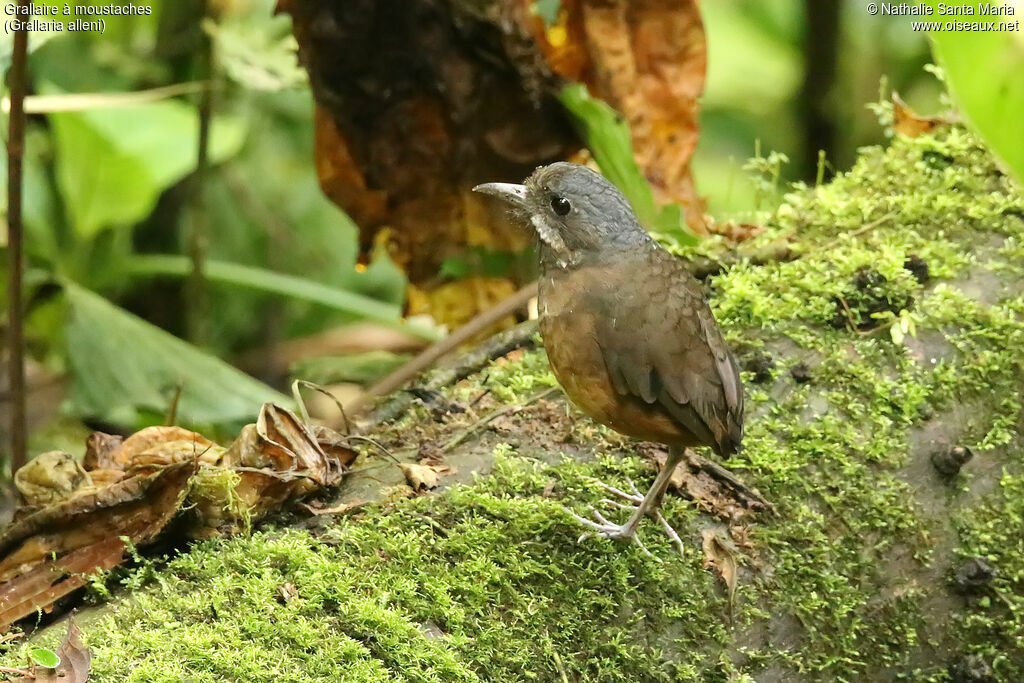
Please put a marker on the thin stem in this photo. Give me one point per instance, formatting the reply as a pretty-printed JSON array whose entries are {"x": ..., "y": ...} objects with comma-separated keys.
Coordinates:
[
  {"x": 197, "y": 290},
  {"x": 15, "y": 250}
]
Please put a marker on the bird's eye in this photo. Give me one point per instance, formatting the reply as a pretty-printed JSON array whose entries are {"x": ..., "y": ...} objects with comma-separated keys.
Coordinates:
[{"x": 560, "y": 205}]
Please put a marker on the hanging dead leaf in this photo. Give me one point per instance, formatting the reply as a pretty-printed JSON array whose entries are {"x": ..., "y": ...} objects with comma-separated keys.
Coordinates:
[
  {"x": 648, "y": 59},
  {"x": 906, "y": 121},
  {"x": 423, "y": 477},
  {"x": 75, "y": 660},
  {"x": 720, "y": 555},
  {"x": 400, "y": 148}
]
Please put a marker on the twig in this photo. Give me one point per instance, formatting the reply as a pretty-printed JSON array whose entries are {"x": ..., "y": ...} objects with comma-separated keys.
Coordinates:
[
  {"x": 476, "y": 426},
  {"x": 558, "y": 665},
  {"x": 172, "y": 411},
  {"x": 724, "y": 476},
  {"x": 15, "y": 233},
  {"x": 297, "y": 395},
  {"x": 198, "y": 239},
  {"x": 21, "y": 672},
  {"x": 435, "y": 351},
  {"x": 854, "y": 233},
  {"x": 378, "y": 445},
  {"x": 520, "y": 336}
]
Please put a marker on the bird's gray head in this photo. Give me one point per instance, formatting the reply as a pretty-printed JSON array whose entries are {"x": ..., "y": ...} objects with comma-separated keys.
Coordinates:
[{"x": 575, "y": 211}]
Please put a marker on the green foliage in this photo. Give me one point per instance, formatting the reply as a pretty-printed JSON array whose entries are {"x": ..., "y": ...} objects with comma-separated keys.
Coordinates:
[
  {"x": 43, "y": 657},
  {"x": 983, "y": 71},
  {"x": 994, "y": 628},
  {"x": 105, "y": 189},
  {"x": 608, "y": 139},
  {"x": 257, "y": 55},
  {"x": 476, "y": 585},
  {"x": 547, "y": 10},
  {"x": 112, "y": 164},
  {"x": 121, "y": 365}
]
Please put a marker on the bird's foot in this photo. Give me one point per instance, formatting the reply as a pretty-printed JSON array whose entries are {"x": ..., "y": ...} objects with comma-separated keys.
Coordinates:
[
  {"x": 625, "y": 531},
  {"x": 608, "y": 529}
]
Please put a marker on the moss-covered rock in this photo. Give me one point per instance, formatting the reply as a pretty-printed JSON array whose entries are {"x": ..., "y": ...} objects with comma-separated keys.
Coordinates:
[{"x": 903, "y": 316}]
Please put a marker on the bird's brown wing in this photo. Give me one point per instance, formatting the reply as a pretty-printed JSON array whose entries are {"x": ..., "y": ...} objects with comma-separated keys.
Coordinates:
[{"x": 664, "y": 346}]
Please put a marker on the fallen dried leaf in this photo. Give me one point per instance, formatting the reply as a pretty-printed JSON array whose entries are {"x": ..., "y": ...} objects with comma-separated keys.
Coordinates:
[
  {"x": 50, "y": 477},
  {"x": 53, "y": 551},
  {"x": 337, "y": 510},
  {"x": 720, "y": 555},
  {"x": 100, "y": 449},
  {"x": 75, "y": 660},
  {"x": 80, "y": 519},
  {"x": 715, "y": 492},
  {"x": 163, "y": 446},
  {"x": 422, "y": 477},
  {"x": 287, "y": 592}
]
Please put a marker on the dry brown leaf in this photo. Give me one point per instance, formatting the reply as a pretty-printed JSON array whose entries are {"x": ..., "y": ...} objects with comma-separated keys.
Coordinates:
[
  {"x": 50, "y": 477},
  {"x": 340, "y": 177},
  {"x": 100, "y": 449},
  {"x": 289, "y": 445},
  {"x": 401, "y": 155},
  {"x": 164, "y": 445},
  {"x": 75, "y": 660},
  {"x": 51, "y": 552},
  {"x": 906, "y": 121},
  {"x": 336, "y": 510},
  {"x": 720, "y": 555},
  {"x": 287, "y": 592},
  {"x": 422, "y": 477},
  {"x": 133, "y": 487},
  {"x": 721, "y": 495},
  {"x": 276, "y": 460}
]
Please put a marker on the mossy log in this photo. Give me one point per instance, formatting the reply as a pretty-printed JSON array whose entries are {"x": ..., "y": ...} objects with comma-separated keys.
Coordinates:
[{"x": 893, "y": 336}]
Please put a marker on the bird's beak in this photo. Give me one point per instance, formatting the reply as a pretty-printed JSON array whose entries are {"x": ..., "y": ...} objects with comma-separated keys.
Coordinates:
[{"x": 509, "y": 192}]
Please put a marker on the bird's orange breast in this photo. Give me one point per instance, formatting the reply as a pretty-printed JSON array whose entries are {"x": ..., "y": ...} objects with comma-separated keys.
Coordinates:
[{"x": 574, "y": 352}]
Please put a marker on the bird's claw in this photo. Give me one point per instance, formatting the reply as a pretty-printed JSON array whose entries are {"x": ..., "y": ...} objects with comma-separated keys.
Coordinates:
[
  {"x": 634, "y": 496},
  {"x": 608, "y": 529},
  {"x": 614, "y": 531}
]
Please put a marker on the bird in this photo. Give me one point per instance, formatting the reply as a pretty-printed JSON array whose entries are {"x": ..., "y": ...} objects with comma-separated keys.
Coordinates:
[{"x": 629, "y": 334}]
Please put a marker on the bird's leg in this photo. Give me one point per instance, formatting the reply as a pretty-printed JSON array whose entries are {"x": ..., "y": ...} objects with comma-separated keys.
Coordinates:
[{"x": 648, "y": 505}]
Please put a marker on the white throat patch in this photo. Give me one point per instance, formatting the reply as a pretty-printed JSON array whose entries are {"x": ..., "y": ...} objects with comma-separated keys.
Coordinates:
[{"x": 551, "y": 238}]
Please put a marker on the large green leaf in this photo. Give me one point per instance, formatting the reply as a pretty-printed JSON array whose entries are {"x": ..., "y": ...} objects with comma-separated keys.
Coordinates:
[
  {"x": 985, "y": 73},
  {"x": 608, "y": 139},
  {"x": 123, "y": 367},
  {"x": 112, "y": 164}
]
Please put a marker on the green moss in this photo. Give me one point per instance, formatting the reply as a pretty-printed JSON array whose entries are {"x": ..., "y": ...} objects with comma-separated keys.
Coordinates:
[
  {"x": 488, "y": 582},
  {"x": 483, "y": 583},
  {"x": 994, "y": 626},
  {"x": 513, "y": 382}
]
